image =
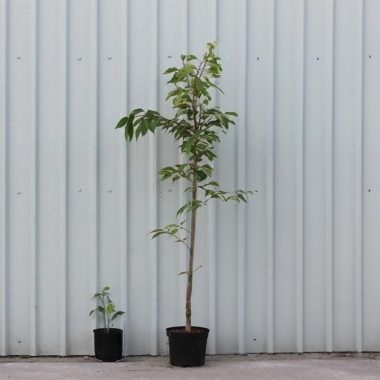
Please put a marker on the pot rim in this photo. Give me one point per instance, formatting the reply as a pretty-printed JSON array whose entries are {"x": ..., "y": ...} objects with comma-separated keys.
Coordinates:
[
  {"x": 204, "y": 332},
  {"x": 113, "y": 329}
]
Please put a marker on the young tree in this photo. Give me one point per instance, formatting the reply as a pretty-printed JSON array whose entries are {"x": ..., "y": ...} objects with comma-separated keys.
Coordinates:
[{"x": 196, "y": 126}]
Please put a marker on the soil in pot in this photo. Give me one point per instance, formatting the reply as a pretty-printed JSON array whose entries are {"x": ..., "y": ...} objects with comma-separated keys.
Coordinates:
[
  {"x": 108, "y": 345},
  {"x": 187, "y": 349}
]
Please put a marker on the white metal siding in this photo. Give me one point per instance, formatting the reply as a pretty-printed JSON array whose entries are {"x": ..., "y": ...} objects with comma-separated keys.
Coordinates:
[{"x": 297, "y": 269}]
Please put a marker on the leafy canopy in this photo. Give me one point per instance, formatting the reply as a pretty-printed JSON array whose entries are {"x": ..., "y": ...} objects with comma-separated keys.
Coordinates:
[{"x": 195, "y": 125}]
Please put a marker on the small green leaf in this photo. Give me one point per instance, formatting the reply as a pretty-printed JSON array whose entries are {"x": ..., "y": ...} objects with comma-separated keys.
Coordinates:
[
  {"x": 129, "y": 128},
  {"x": 158, "y": 229},
  {"x": 116, "y": 315},
  {"x": 179, "y": 274},
  {"x": 173, "y": 231},
  {"x": 157, "y": 234},
  {"x": 110, "y": 308},
  {"x": 201, "y": 176},
  {"x": 182, "y": 209},
  {"x": 170, "y": 70},
  {"x": 171, "y": 225}
]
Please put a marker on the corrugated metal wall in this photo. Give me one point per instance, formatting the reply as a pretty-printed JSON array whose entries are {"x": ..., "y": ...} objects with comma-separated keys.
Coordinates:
[{"x": 297, "y": 269}]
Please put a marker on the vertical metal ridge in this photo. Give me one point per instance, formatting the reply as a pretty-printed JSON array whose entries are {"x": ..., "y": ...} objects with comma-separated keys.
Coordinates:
[
  {"x": 211, "y": 343},
  {"x": 329, "y": 162},
  {"x": 4, "y": 181},
  {"x": 64, "y": 194},
  {"x": 359, "y": 189},
  {"x": 270, "y": 120},
  {"x": 94, "y": 90},
  {"x": 212, "y": 222},
  {"x": 124, "y": 184},
  {"x": 242, "y": 175},
  {"x": 183, "y": 252},
  {"x": 214, "y": 20},
  {"x": 153, "y": 95},
  {"x": 34, "y": 181},
  {"x": 299, "y": 170}
]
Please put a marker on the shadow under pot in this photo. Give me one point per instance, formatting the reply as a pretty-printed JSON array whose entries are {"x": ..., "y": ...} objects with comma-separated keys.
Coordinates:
[{"x": 108, "y": 344}]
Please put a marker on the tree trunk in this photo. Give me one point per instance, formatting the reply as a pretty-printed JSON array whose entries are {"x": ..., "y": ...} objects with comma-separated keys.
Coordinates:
[{"x": 190, "y": 271}]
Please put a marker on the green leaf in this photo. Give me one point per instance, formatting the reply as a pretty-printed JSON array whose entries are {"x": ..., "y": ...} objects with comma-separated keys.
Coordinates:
[
  {"x": 126, "y": 135},
  {"x": 158, "y": 234},
  {"x": 171, "y": 225},
  {"x": 170, "y": 70},
  {"x": 173, "y": 231},
  {"x": 122, "y": 122},
  {"x": 106, "y": 288},
  {"x": 116, "y": 315},
  {"x": 110, "y": 308},
  {"x": 182, "y": 209},
  {"x": 100, "y": 309},
  {"x": 231, "y": 113},
  {"x": 152, "y": 112},
  {"x": 190, "y": 57},
  {"x": 158, "y": 229},
  {"x": 201, "y": 176},
  {"x": 179, "y": 274},
  {"x": 129, "y": 127},
  {"x": 153, "y": 124}
]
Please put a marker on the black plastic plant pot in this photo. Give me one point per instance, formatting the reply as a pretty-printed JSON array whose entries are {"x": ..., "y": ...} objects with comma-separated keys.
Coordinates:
[
  {"x": 108, "y": 345},
  {"x": 187, "y": 349}
]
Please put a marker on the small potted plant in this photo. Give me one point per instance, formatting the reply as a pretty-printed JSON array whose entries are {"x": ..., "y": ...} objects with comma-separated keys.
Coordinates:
[
  {"x": 195, "y": 126},
  {"x": 108, "y": 341}
]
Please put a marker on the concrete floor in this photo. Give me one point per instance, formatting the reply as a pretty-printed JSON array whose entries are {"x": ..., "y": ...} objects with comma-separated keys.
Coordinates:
[{"x": 260, "y": 366}]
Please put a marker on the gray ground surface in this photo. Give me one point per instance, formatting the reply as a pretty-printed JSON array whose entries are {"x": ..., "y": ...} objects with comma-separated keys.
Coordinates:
[{"x": 260, "y": 366}]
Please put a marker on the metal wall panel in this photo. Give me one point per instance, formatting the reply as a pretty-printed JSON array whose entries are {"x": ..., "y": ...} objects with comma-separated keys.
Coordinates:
[{"x": 295, "y": 270}]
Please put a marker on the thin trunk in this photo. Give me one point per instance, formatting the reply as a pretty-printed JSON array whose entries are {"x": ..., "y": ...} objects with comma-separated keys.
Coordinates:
[
  {"x": 104, "y": 314},
  {"x": 189, "y": 288}
]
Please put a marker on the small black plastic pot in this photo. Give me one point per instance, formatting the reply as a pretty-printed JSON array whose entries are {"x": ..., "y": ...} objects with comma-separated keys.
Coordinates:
[
  {"x": 187, "y": 349},
  {"x": 108, "y": 345}
]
